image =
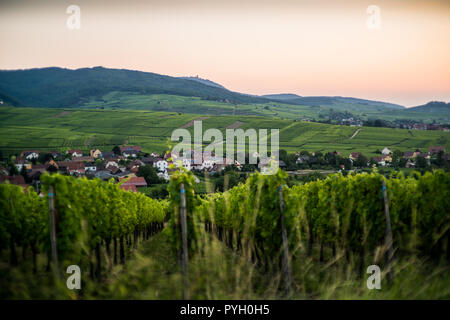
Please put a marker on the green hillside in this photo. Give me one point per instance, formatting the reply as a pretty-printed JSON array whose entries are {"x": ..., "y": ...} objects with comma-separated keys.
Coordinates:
[
  {"x": 57, "y": 87},
  {"x": 60, "y": 129},
  {"x": 103, "y": 88}
]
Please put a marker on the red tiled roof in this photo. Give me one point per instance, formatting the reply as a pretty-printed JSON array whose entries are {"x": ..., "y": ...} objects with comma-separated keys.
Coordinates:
[
  {"x": 137, "y": 181},
  {"x": 73, "y": 165},
  {"x": 436, "y": 149}
]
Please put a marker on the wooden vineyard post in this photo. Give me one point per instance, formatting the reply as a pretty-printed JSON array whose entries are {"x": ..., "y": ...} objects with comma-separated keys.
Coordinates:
[
  {"x": 388, "y": 241},
  {"x": 51, "y": 200},
  {"x": 285, "y": 265},
  {"x": 184, "y": 253}
]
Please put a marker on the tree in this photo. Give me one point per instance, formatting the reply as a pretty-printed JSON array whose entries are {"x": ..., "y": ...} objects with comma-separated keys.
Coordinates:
[
  {"x": 397, "y": 159},
  {"x": 116, "y": 150},
  {"x": 361, "y": 161},
  {"x": 44, "y": 157},
  {"x": 440, "y": 160},
  {"x": 13, "y": 169},
  {"x": 304, "y": 153},
  {"x": 283, "y": 155},
  {"x": 24, "y": 174},
  {"x": 421, "y": 162},
  {"x": 148, "y": 172},
  {"x": 291, "y": 161}
]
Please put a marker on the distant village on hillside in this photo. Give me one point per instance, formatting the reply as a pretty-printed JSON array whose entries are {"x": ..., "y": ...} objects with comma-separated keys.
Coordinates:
[{"x": 122, "y": 163}]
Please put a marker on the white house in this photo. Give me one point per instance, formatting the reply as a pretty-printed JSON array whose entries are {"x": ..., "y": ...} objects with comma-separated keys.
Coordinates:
[
  {"x": 31, "y": 155},
  {"x": 163, "y": 175},
  {"x": 112, "y": 164},
  {"x": 130, "y": 153},
  {"x": 386, "y": 151},
  {"x": 90, "y": 167},
  {"x": 161, "y": 165},
  {"x": 20, "y": 163},
  {"x": 75, "y": 153}
]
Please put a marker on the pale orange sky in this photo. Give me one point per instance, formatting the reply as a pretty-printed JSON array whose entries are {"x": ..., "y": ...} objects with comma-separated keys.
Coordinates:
[{"x": 307, "y": 47}]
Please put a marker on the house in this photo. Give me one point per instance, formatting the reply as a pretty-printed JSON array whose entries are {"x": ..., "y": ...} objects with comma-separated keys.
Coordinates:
[
  {"x": 104, "y": 175},
  {"x": 386, "y": 151},
  {"x": 136, "y": 181},
  {"x": 354, "y": 155},
  {"x": 96, "y": 153},
  {"x": 408, "y": 154},
  {"x": 114, "y": 170},
  {"x": 55, "y": 154},
  {"x": 109, "y": 155},
  {"x": 164, "y": 175},
  {"x": 30, "y": 154},
  {"x": 161, "y": 165},
  {"x": 75, "y": 153},
  {"x": 90, "y": 166},
  {"x": 380, "y": 161},
  {"x": 409, "y": 164},
  {"x": 4, "y": 171},
  {"x": 302, "y": 159},
  {"x": 129, "y": 148},
  {"x": 130, "y": 153},
  {"x": 37, "y": 168},
  {"x": 51, "y": 163},
  {"x": 387, "y": 158},
  {"x": 134, "y": 166},
  {"x": 435, "y": 150},
  {"x": 148, "y": 160},
  {"x": 85, "y": 159},
  {"x": 20, "y": 162},
  {"x": 75, "y": 167},
  {"x": 111, "y": 163}
]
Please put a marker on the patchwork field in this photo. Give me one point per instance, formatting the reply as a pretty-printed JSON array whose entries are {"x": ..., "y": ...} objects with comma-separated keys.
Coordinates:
[
  {"x": 59, "y": 129},
  {"x": 165, "y": 102}
]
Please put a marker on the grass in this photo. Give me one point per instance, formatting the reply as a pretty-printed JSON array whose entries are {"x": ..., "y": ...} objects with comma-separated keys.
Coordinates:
[{"x": 60, "y": 129}]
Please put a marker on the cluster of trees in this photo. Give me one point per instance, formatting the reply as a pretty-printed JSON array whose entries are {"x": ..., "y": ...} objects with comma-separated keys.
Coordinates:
[{"x": 315, "y": 160}]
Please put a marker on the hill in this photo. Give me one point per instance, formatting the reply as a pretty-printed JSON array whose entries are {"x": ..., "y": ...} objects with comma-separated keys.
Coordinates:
[
  {"x": 433, "y": 106},
  {"x": 57, "y": 87},
  {"x": 62, "y": 129},
  {"x": 103, "y": 88}
]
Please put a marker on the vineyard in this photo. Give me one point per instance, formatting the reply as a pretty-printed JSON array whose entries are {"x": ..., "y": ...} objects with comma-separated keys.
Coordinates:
[
  {"x": 84, "y": 129},
  {"x": 258, "y": 239}
]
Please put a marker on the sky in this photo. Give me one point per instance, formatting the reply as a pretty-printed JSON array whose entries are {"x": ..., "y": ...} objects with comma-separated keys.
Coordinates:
[{"x": 307, "y": 47}]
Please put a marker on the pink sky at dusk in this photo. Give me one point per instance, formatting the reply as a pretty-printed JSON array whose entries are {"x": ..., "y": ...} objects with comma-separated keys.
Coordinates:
[{"x": 307, "y": 47}]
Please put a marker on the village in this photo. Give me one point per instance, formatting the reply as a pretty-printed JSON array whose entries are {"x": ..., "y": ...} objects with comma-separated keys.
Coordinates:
[{"x": 123, "y": 163}]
